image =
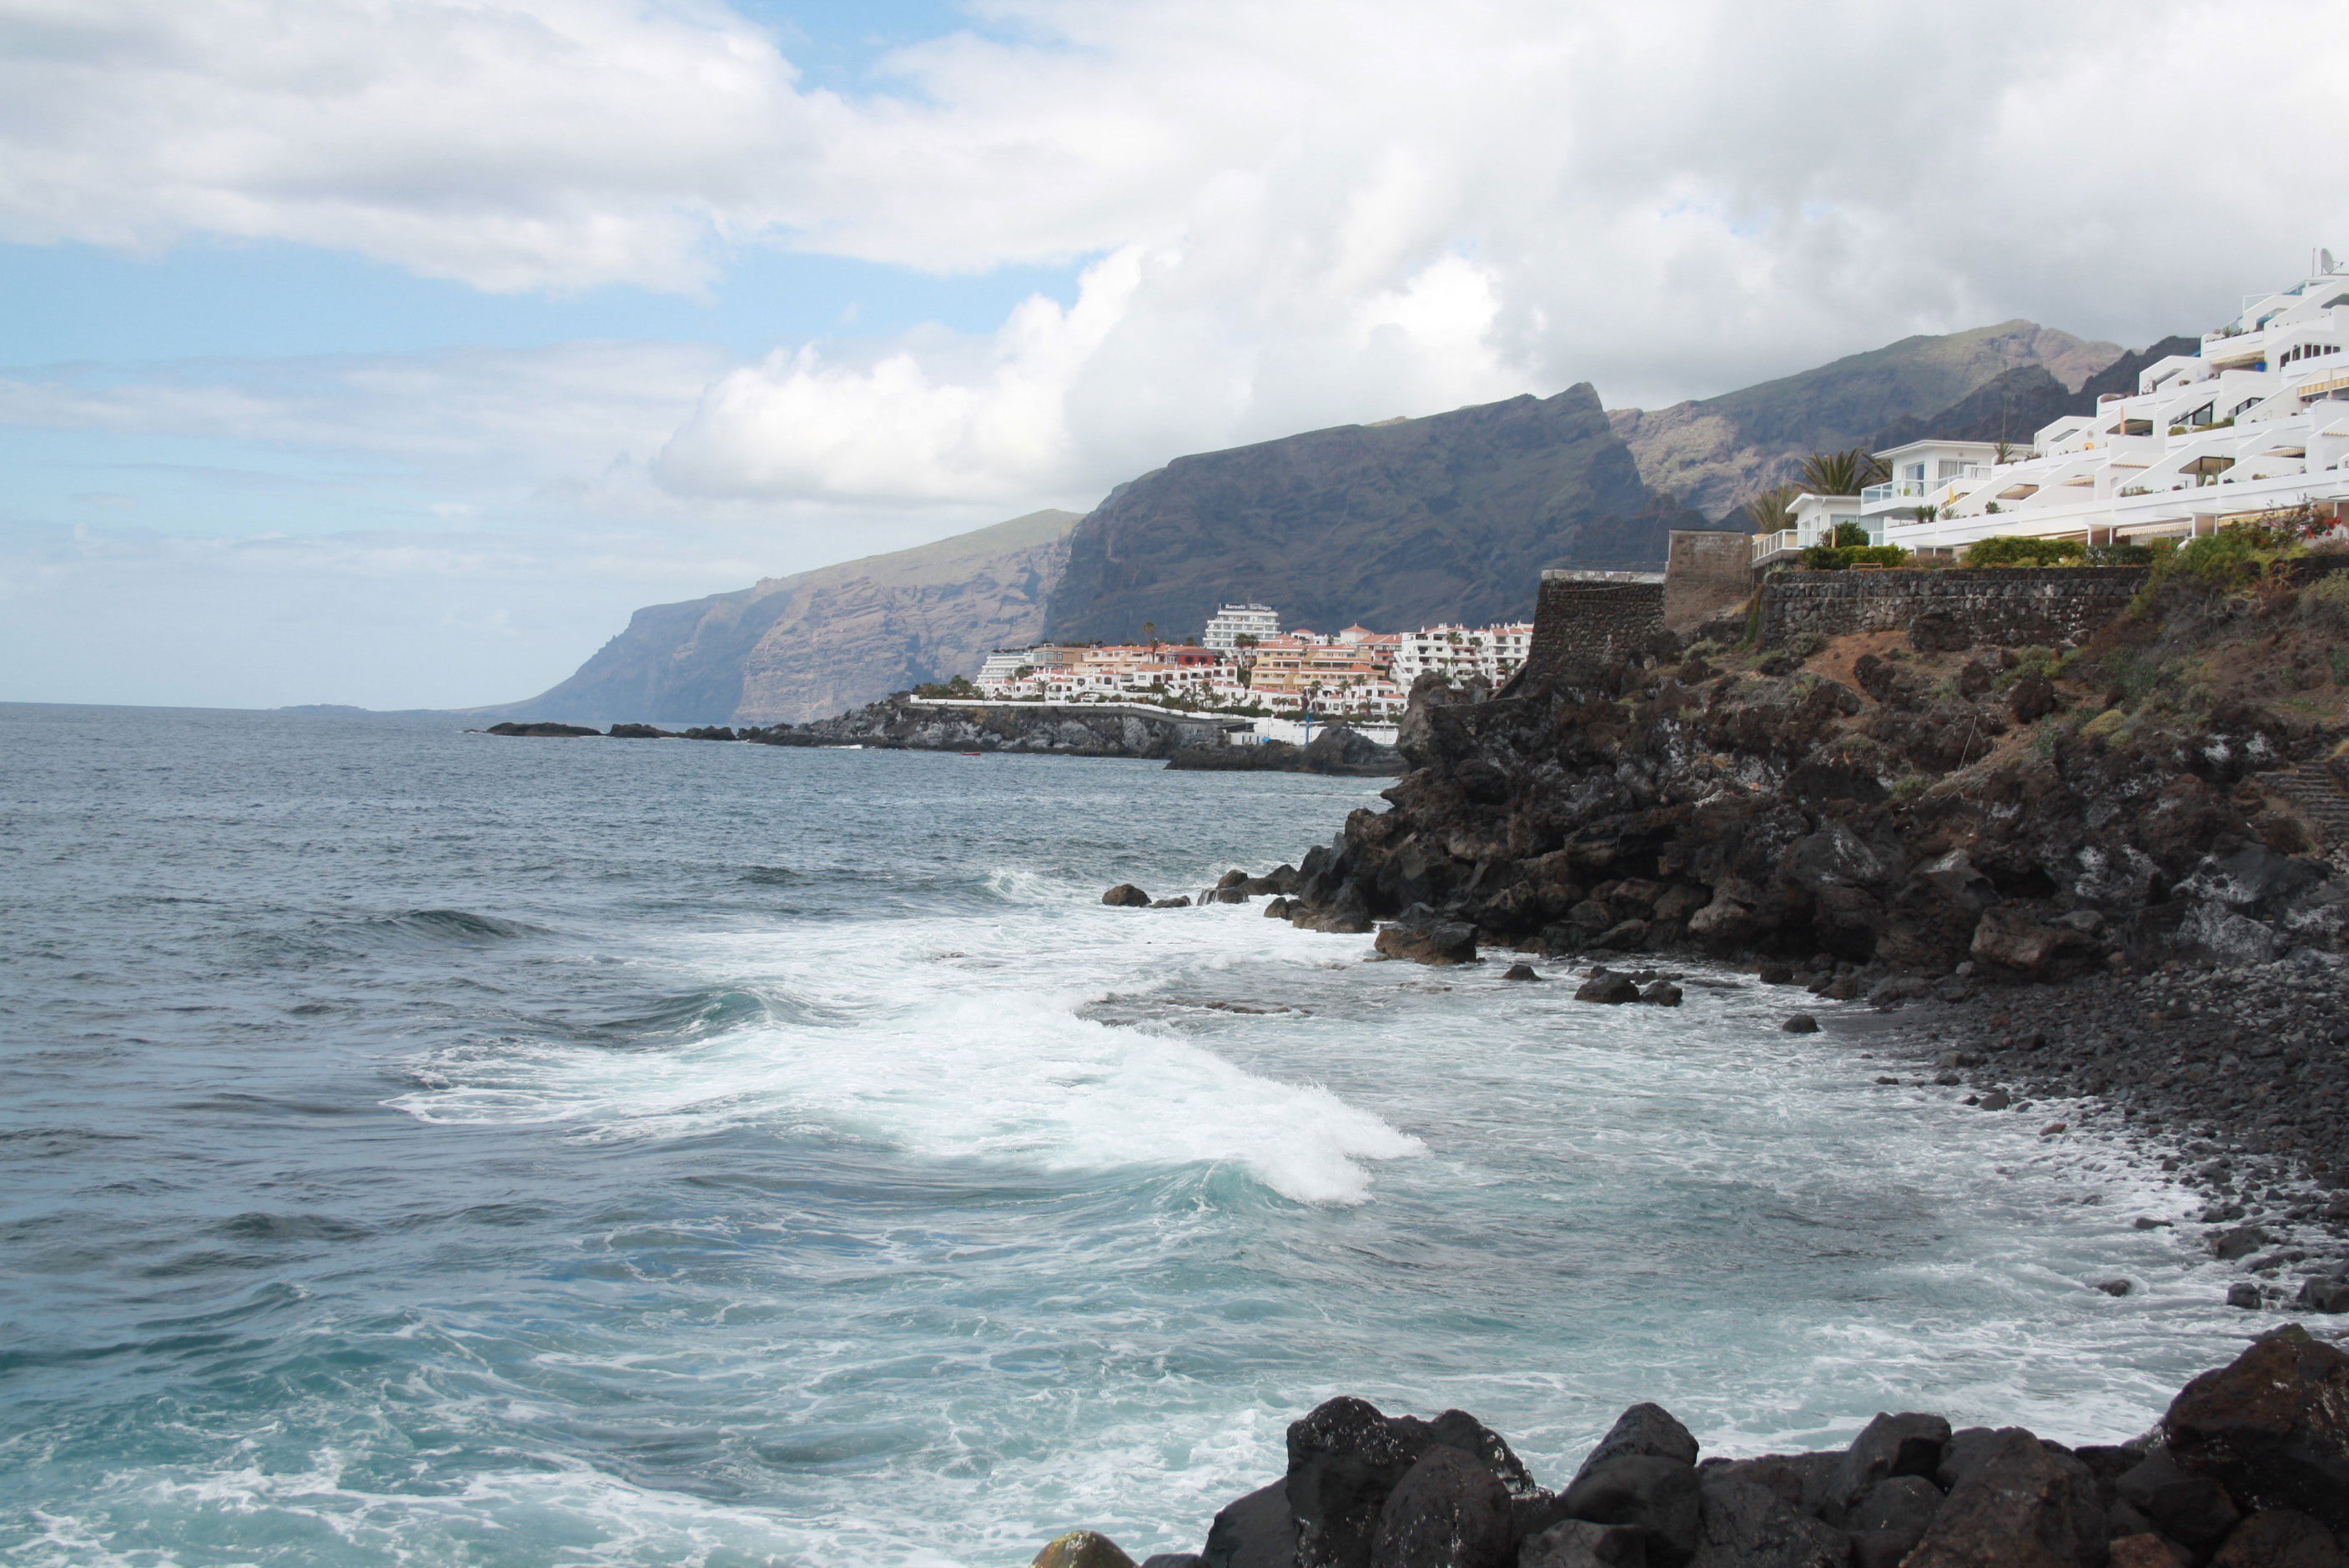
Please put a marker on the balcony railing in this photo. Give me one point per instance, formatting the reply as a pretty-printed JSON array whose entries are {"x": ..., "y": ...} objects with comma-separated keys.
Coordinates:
[
  {"x": 1771, "y": 543},
  {"x": 1919, "y": 490}
]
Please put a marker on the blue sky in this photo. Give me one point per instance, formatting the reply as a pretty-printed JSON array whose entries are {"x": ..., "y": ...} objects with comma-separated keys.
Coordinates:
[{"x": 392, "y": 356}]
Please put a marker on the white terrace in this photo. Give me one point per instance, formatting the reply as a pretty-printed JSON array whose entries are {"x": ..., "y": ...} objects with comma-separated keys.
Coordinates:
[{"x": 2256, "y": 422}]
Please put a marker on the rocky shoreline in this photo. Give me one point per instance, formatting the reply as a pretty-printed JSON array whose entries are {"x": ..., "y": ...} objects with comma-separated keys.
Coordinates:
[
  {"x": 2247, "y": 1469},
  {"x": 2233, "y": 1078},
  {"x": 1188, "y": 742}
]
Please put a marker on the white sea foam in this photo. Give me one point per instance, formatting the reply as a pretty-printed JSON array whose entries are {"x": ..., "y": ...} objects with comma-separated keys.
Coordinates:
[{"x": 983, "y": 1054}]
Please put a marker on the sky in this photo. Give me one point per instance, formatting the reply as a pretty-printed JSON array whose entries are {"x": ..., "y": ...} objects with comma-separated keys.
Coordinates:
[{"x": 390, "y": 352}]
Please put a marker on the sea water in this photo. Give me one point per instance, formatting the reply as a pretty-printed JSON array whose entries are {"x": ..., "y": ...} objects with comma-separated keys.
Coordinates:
[{"x": 427, "y": 1148}]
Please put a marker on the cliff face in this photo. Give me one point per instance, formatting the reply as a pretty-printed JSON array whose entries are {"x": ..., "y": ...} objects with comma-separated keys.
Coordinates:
[
  {"x": 1401, "y": 524},
  {"x": 1715, "y": 454},
  {"x": 853, "y": 633},
  {"x": 793, "y": 648}
]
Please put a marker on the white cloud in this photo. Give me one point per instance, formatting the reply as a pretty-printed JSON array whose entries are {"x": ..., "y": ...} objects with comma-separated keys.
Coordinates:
[{"x": 1287, "y": 215}]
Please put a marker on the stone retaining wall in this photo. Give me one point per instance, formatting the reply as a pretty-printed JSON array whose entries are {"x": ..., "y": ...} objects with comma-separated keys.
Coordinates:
[{"x": 2005, "y": 606}]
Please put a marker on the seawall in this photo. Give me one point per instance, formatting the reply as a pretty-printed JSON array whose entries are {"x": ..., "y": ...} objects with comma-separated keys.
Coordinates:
[{"x": 1950, "y": 608}]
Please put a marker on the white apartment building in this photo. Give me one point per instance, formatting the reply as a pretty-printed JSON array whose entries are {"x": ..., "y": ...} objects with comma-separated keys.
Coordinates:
[
  {"x": 2255, "y": 422},
  {"x": 1002, "y": 667},
  {"x": 1458, "y": 652},
  {"x": 1815, "y": 517},
  {"x": 1232, "y": 622}
]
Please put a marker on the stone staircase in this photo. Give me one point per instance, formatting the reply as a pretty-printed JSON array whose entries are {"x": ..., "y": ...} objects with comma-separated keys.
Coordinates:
[{"x": 2318, "y": 793}]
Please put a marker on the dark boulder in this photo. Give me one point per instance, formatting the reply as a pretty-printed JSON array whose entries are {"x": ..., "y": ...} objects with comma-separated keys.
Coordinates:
[
  {"x": 1886, "y": 1524},
  {"x": 2280, "y": 1537},
  {"x": 1521, "y": 971},
  {"x": 1434, "y": 941},
  {"x": 1649, "y": 1430},
  {"x": 2012, "y": 939},
  {"x": 1277, "y": 909},
  {"x": 1799, "y": 1480},
  {"x": 1801, "y": 1024},
  {"x": 2189, "y": 1507},
  {"x": 710, "y": 732},
  {"x": 639, "y": 732},
  {"x": 2145, "y": 1550},
  {"x": 1578, "y": 1543},
  {"x": 1448, "y": 1511},
  {"x": 1748, "y": 1526},
  {"x": 2325, "y": 1296},
  {"x": 1175, "y": 1560},
  {"x": 1344, "y": 1459},
  {"x": 1180, "y": 901},
  {"x": 1888, "y": 1445},
  {"x": 2272, "y": 1426},
  {"x": 1459, "y": 1429},
  {"x": 1661, "y": 994},
  {"x": 1257, "y": 1531},
  {"x": 1605, "y": 986},
  {"x": 1661, "y": 1496},
  {"x": 2022, "y": 1505},
  {"x": 2031, "y": 697},
  {"x": 1125, "y": 895}
]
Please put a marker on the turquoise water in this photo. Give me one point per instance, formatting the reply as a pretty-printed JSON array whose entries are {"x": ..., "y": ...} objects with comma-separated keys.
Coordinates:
[{"x": 430, "y": 1149}]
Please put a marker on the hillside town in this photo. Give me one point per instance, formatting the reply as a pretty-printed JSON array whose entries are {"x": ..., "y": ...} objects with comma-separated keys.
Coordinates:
[{"x": 1242, "y": 661}]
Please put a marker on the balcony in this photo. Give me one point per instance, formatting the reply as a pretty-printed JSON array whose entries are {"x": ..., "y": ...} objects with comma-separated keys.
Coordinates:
[{"x": 1876, "y": 497}]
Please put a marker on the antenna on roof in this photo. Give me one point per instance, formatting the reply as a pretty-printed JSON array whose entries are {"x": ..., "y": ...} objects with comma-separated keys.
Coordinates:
[{"x": 2328, "y": 263}]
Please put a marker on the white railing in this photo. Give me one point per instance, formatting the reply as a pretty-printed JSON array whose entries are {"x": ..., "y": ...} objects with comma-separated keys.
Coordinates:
[
  {"x": 1918, "y": 489},
  {"x": 1771, "y": 543}
]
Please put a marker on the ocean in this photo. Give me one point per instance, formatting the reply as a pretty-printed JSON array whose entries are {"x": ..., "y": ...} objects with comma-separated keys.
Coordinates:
[{"x": 425, "y": 1147}]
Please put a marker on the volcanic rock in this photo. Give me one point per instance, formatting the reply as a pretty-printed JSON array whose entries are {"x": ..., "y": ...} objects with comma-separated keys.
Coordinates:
[{"x": 2272, "y": 1426}]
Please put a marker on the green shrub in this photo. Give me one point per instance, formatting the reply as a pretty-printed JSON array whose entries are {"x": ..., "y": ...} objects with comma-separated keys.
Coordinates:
[
  {"x": 2120, "y": 555},
  {"x": 1849, "y": 536},
  {"x": 2229, "y": 558},
  {"x": 2013, "y": 550},
  {"x": 1909, "y": 785},
  {"x": 1841, "y": 557},
  {"x": 1806, "y": 645}
]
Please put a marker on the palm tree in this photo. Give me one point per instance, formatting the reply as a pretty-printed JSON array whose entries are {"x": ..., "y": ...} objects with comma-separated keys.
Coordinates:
[
  {"x": 1768, "y": 509},
  {"x": 1840, "y": 473}
]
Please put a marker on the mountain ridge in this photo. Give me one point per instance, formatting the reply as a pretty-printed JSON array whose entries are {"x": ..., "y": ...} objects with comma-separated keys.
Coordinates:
[
  {"x": 1396, "y": 524},
  {"x": 1714, "y": 454}
]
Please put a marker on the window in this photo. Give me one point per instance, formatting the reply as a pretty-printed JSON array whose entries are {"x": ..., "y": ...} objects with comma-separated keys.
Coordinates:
[{"x": 1913, "y": 472}]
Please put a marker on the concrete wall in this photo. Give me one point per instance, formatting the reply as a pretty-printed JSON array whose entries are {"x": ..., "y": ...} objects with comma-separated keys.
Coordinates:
[
  {"x": 1707, "y": 572},
  {"x": 1586, "y": 619},
  {"x": 1942, "y": 611}
]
